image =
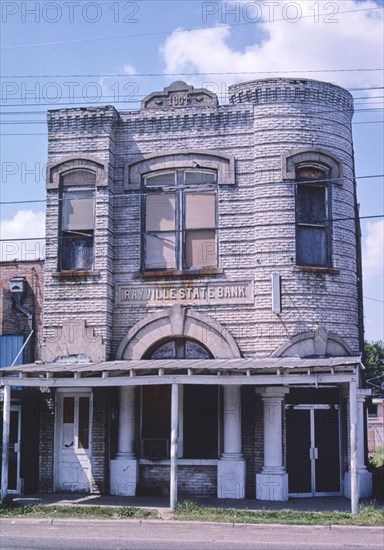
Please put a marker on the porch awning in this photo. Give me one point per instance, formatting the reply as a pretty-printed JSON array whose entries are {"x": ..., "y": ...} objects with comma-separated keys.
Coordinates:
[{"x": 255, "y": 371}]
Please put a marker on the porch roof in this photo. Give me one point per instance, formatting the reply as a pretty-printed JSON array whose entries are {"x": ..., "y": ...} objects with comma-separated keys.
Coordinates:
[{"x": 252, "y": 371}]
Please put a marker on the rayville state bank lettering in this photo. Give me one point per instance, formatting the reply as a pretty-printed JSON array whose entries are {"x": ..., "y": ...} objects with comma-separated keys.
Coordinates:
[{"x": 212, "y": 293}]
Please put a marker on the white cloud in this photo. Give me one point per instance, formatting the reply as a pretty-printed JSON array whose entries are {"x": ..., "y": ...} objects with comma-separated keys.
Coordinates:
[
  {"x": 25, "y": 224},
  {"x": 130, "y": 70},
  {"x": 373, "y": 246},
  {"x": 354, "y": 40}
]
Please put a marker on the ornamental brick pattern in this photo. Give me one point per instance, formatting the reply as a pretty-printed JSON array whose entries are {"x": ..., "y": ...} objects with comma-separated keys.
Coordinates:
[{"x": 265, "y": 122}]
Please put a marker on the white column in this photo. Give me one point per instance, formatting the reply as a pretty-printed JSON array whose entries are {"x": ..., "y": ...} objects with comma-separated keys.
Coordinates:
[
  {"x": 124, "y": 468},
  {"x": 126, "y": 436},
  {"x": 363, "y": 477},
  {"x": 231, "y": 466},
  {"x": 5, "y": 453},
  {"x": 174, "y": 441},
  {"x": 272, "y": 483}
]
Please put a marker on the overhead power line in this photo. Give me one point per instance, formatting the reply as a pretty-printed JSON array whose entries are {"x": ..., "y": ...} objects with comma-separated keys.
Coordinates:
[
  {"x": 169, "y": 189},
  {"x": 167, "y": 32},
  {"x": 365, "y": 100},
  {"x": 221, "y": 73},
  {"x": 373, "y": 299},
  {"x": 31, "y": 122},
  {"x": 226, "y": 228}
]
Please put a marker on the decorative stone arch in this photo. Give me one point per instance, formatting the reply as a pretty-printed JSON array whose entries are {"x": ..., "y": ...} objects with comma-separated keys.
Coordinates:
[
  {"x": 318, "y": 342},
  {"x": 66, "y": 164},
  {"x": 173, "y": 160},
  {"x": 310, "y": 155},
  {"x": 177, "y": 322}
]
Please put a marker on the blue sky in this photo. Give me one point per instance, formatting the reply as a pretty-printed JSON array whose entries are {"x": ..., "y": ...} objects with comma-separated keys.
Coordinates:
[{"x": 58, "y": 53}]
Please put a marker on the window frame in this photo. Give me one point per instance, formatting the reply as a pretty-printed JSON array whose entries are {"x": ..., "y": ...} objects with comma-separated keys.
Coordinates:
[
  {"x": 180, "y": 190},
  {"x": 87, "y": 234},
  {"x": 324, "y": 184}
]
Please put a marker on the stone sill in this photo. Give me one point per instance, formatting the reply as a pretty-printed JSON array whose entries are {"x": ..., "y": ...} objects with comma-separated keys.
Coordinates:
[
  {"x": 319, "y": 270},
  {"x": 181, "y": 273},
  {"x": 74, "y": 274},
  {"x": 180, "y": 461}
]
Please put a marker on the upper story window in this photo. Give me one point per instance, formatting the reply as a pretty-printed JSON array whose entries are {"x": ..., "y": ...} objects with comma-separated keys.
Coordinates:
[
  {"x": 180, "y": 230},
  {"x": 77, "y": 220},
  {"x": 313, "y": 227}
]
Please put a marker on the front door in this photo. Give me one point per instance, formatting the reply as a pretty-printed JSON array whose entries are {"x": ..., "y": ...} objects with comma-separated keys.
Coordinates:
[
  {"x": 313, "y": 455},
  {"x": 73, "y": 442},
  {"x": 14, "y": 483}
]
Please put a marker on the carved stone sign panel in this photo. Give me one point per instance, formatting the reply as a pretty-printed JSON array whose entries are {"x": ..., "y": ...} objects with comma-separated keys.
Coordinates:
[
  {"x": 193, "y": 293},
  {"x": 179, "y": 94}
]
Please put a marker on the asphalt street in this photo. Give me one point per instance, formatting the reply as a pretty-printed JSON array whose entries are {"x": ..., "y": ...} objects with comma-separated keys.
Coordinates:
[{"x": 24, "y": 534}]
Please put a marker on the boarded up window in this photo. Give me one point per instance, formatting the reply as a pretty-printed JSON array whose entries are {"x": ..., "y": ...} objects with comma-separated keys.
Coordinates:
[
  {"x": 160, "y": 251},
  {"x": 200, "y": 248},
  {"x": 77, "y": 220},
  {"x": 312, "y": 217},
  {"x": 78, "y": 210},
  {"x": 200, "y": 210},
  {"x": 180, "y": 227},
  {"x": 160, "y": 213}
]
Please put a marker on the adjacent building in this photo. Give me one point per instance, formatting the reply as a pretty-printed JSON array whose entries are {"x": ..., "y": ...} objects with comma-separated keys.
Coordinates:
[{"x": 202, "y": 303}]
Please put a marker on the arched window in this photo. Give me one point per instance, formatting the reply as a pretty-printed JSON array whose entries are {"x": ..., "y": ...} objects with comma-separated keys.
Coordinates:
[
  {"x": 179, "y": 348},
  {"x": 77, "y": 193},
  {"x": 313, "y": 213},
  {"x": 200, "y": 414}
]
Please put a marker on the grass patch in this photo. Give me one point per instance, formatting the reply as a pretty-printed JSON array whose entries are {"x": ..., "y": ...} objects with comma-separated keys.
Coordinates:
[
  {"x": 368, "y": 515},
  {"x": 11, "y": 509}
]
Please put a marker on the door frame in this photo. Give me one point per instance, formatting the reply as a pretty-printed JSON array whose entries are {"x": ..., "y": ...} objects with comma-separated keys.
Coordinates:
[
  {"x": 311, "y": 408},
  {"x": 17, "y": 491},
  {"x": 60, "y": 394}
]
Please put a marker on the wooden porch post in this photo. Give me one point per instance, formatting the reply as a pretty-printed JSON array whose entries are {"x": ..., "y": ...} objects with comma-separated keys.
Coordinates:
[
  {"x": 353, "y": 438},
  {"x": 174, "y": 441},
  {"x": 5, "y": 453}
]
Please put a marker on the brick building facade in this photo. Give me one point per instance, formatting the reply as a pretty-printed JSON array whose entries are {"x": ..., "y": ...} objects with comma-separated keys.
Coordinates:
[
  {"x": 202, "y": 304},
  {"x": 21, "y": 331}
]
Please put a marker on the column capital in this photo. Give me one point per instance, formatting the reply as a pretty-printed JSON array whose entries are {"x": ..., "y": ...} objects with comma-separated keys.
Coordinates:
[
  {"x": 272, "y": 392},
  {"x": 362, "y": 394}
]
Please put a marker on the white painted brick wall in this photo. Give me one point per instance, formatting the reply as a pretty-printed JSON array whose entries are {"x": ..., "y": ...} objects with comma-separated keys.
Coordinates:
[{"x": 265, "y": 120}]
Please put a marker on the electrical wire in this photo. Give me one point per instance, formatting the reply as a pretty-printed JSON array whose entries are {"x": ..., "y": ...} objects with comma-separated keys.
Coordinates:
[
  {"x": 202, "y": 189},
  {"x": 225, "y": 228},
  {"x": 168, "y": 32}
]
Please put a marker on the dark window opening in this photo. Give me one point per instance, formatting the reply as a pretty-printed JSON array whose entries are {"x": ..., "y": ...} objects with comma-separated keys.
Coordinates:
[
  {"x": 313, "y": 228},
  {"x": 201, "y": 416},
  {"x": 84, "y": 422},
  {"x": 200, "y": 408},
  {"x": 372, "y": 410}
]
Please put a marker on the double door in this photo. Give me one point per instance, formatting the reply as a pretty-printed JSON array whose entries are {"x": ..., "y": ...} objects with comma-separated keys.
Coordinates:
[
  {"x": 313, "y": 450},
  {"x": 14, "y": 482}
]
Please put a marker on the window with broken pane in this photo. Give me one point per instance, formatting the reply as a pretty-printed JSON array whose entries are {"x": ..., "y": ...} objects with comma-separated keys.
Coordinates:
[
  {"x": 77, "y": 220},
  {"x": 180, "y": 220},
  {"x": 313, "y": 228}
]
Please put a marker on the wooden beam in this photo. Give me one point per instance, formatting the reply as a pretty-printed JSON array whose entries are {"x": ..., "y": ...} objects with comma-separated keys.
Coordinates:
[
  {"x": 198, "y": 379},
  {"x": 174, "y": 441},
  {"x": 353, "y": 455},
  {"x": 5, "y": 451}
]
